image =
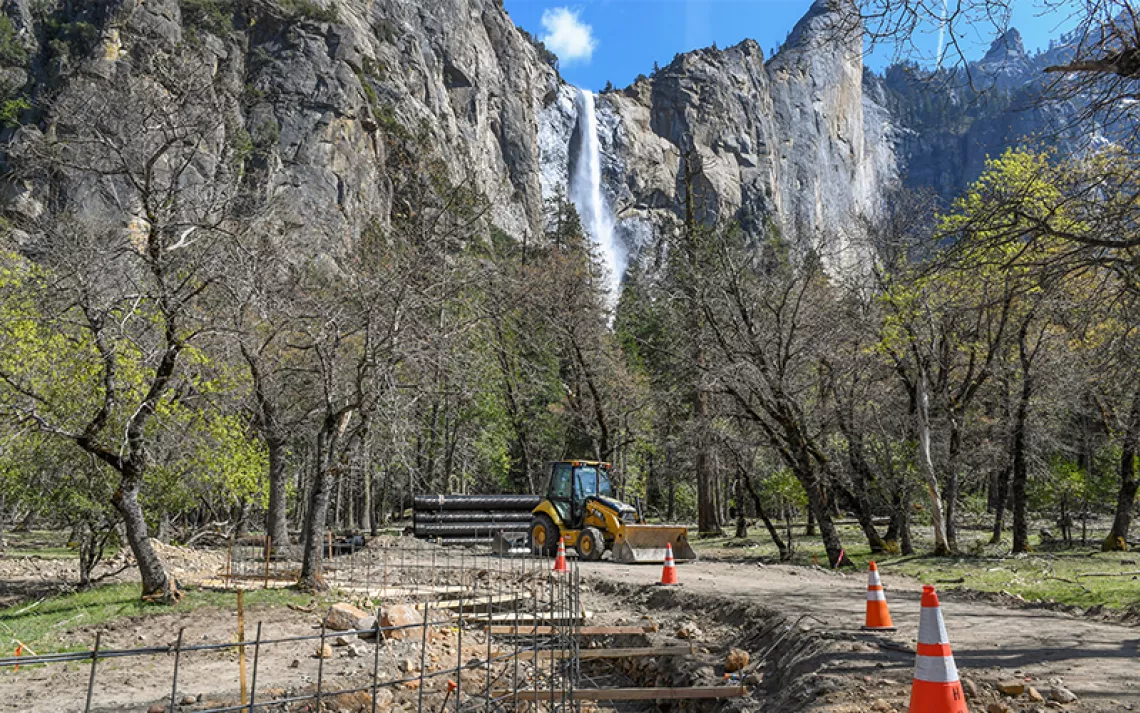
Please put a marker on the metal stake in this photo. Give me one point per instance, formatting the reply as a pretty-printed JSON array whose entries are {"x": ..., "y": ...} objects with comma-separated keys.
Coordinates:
[
  {"x": 320, "y": 666},
  {"x": 177, "y": 657},
  {"x": 91, "y": 680},
  {"x": 253, "y": 678}
]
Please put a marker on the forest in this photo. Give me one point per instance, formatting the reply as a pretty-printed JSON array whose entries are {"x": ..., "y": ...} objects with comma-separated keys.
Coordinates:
[{"x": 970, "y": 366}]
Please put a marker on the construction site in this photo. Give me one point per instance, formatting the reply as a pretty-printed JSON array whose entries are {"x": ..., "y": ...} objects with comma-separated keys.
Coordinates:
[{"x": 419, "y": 625}]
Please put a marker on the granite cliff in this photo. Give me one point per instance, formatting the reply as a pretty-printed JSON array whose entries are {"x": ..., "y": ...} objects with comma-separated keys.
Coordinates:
[{"x": 807, "y": 142}]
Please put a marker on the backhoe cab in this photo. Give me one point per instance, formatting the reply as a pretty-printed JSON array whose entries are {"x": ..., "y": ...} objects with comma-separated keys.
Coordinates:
[{"x": 581, "y": 509}]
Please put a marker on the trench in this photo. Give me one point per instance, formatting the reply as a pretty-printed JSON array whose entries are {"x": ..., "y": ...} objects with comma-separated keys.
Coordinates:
[{"x": 786, "y": 654}]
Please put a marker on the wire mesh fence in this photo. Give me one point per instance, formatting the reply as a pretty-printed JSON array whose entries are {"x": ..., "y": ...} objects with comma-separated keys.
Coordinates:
[{"x": 436, "y": 629}]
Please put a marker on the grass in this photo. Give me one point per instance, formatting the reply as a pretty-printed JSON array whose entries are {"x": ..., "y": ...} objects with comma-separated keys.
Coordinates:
[
  {"x": 1056, "y": 576},
  {"x": 41, "y": 625}
]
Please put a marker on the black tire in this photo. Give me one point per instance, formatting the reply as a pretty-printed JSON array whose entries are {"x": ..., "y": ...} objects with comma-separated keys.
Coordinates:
[
  {"x": 544, "y": 535},
  {"x": 591, "y": 544}
]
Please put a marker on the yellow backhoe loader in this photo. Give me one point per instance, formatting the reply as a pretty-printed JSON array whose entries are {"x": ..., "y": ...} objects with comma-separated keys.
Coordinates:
[{"x": 580, "y": 508}]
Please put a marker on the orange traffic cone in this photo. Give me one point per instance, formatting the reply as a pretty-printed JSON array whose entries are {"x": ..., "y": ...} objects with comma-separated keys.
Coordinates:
[
  {"x": 669, "y": 571},
  {"x": 936, "y": 688},
  {"x": 878, "y": 616},
  {"x": 560, "y": 561}
]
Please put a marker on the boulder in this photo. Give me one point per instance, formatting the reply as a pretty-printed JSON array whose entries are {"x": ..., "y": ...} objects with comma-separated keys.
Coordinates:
[
  {"x": 1011, "y": 687},
  {"x": 344, "y": 617},
  {"x": 1035, "y": 695},
  {"x": 1062, "y": 695},
  {"x": 880, "y": 705},
  {"x": 998, "y": 707},
  {"x": 397, "y": 616},
  {"x": 324, "y": 652}
]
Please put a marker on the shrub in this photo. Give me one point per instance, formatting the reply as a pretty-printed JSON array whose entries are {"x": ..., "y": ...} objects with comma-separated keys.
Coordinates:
[
  {"x": 309, "y": 10},
  {"x": 12, "y": 52}
]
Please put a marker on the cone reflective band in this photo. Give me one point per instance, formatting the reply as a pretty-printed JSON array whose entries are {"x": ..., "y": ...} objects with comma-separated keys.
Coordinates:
[
  {"x": 669, "y": 571},
  {"x": 560, "y": 561},
  {"x": 878, "y": 616},
  {"x": 936, "y": 688}
]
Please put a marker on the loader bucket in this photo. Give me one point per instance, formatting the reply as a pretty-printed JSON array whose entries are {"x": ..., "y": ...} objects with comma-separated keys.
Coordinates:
[{"x": 646, "y": 544}]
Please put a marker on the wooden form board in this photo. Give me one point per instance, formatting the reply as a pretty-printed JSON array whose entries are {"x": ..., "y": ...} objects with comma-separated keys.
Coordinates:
[
  {"x": 581, "y": 630},
  {"x": 423, "y": 591},
  {"x": 630, "y": 694},
  {"x": 586, "y": 654}
]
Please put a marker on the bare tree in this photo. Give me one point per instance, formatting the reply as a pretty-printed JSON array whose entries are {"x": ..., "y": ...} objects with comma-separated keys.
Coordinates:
[{"x": 139, "y": 186}]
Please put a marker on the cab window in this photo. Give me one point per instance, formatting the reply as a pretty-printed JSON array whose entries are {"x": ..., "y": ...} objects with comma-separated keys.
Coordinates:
[
  {"x": 587, "y": 480},
  {"x": 560, "y": 481}
]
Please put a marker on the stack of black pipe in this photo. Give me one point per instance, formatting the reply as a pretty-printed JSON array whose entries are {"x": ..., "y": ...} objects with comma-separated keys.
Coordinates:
[{"x": 470, "y": 519}]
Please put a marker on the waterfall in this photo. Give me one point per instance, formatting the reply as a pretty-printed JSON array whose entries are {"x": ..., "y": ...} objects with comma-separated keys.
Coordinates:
[{"x": 586, "y": 194}]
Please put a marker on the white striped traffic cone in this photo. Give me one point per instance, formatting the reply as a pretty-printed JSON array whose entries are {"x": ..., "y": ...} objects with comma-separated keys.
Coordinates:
[
  {"x": 878, "y": 616},
  {"x": 936, "y": 688}
]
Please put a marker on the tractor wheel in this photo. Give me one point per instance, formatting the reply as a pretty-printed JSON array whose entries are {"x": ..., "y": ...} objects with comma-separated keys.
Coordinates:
[
  {"x": 544, "y": 535},
  {"x": 591, "y": 544}
]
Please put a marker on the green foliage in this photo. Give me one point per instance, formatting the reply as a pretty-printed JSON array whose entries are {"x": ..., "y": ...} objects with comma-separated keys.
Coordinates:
[
  {"x": 69, "y": 41},
  {"x": 214, "y": 16},
  {"x": 12, "y": 52},
  {"x": 309, "y": 10},
  {"x": 11, "y": 109}
]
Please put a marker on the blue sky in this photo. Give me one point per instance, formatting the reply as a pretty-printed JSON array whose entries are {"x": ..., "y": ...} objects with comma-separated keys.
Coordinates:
[{"x": 615, "y": 40}]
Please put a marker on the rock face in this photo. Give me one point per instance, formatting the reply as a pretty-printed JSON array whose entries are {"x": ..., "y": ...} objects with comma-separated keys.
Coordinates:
[
  {"x": 806, "y": 143},
  {"x": 794, "y": 143}
]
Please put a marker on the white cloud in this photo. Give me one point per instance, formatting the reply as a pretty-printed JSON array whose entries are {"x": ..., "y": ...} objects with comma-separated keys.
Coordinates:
[{"x": 567, "y": 36}]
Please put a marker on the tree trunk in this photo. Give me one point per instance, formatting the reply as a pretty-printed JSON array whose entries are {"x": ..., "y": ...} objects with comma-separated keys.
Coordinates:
[
  {"x": 738, "y": 499},
  {"x": 1020, "y": 465},
  {"x": 926, "y": 463},
  {"x": 784, "y": 549},
  {"x": 952, "y": 483},
  {"x": 155, "y": 582},
  {"x": 276, "y": 520},
  {"x": 319, "y": 496},
  {"x": 1126, "y": 497},
  {"x": 1000, "y": 498}
]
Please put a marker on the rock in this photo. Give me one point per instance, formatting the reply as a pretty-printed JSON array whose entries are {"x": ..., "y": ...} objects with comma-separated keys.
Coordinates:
[
  {"x": 342, "y": 640},
  {"x": 296, "y": 663},
  {"x": 189, "y": 700},
  {"x": 998, "y": 707},
  {"x": 736, "y": 660},
  {"x": 400, "y": 615},
  {"x": 407, "y": 665},
  {"x": 689, "y": 631},
  {"x": 156, "y": 708},
  {"x": 1062, "y": 695},
  {"x": 384, "y": 699},
  {"x": 880, "y": 705},
  {"x": 324, "y": 652},
  {"x": 367, "y": 627},
  {"x": 1034, "y": 695},
  {"x": 970, "y": 688},
  {"x": 343, "y": 617},
  {"x": 1011, "y": 687}
]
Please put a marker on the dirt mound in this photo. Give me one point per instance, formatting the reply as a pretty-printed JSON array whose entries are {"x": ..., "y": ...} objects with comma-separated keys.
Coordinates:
[{"x": 189, "y": 563}]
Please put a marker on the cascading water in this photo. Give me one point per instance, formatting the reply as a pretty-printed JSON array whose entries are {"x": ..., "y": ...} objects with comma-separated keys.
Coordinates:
[{"x": 586, "y": 194}]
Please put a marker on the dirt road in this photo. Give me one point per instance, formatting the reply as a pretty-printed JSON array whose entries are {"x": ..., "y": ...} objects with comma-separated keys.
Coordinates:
[{"x": 1097, "y": 661}]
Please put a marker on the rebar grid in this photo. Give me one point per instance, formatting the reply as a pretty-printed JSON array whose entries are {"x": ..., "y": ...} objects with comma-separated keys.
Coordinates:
[{"x": 453, "y": 589}]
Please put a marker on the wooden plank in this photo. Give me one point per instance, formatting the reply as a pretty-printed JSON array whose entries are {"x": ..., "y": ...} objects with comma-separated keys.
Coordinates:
[
  {"x": 471, "y": 603},
  {"x": 628, "y": 694},
  {"x": 509, "y": 617},
  {"x": 414, "y": 592},
  {"x": 581, "y": 630},
  {"x": 584, "y": 654}
]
